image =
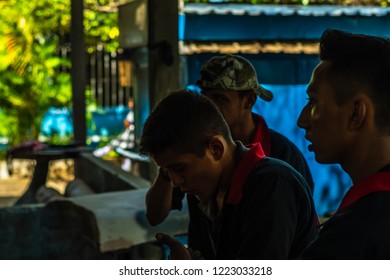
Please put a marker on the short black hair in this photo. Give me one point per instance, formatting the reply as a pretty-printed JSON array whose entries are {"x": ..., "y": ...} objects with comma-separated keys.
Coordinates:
[
  {"x": 184, "y": 121},
  {"x": 359, "y": 62}
]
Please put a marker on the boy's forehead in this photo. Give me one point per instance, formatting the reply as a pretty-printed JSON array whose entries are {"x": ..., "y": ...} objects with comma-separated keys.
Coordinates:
[
  {"x": 318, "y": 75},
  {"x": 169, "y": 157}
]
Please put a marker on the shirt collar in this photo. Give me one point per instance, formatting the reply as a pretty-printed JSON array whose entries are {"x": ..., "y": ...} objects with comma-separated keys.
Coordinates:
[
  {"x": 247, "y": 163},
  {"x": 379, "y": 181},
  {"x": 262, "y": 134}
]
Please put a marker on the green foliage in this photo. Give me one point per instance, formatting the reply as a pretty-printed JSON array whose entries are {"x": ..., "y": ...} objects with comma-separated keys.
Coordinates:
[
  {"x": 101, "y": 25},
  {"x": 33, "y": 74},
  {"x": 30, "y": 80}
]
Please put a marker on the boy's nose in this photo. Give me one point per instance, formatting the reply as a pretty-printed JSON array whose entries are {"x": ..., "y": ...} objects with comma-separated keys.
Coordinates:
[{"x": 302, "y": 121}]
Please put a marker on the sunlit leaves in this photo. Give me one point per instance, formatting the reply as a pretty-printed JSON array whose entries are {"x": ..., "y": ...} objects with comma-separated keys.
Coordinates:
[
  {"x": 29, "y": 84},
  {"x": 33, "y": 74}
]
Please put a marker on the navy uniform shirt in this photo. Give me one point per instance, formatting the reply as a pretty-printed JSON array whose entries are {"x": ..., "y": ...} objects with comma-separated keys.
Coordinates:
[
  {"x": 274, "y": 145},
  {"x": 268, "y": 214},
  {"x": 360, "y": 229}
]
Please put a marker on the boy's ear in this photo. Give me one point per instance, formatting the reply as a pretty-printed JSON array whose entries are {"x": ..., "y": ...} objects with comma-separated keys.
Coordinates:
[
  {"x": 250, "y": 100},
  {"x": 358, "y": 115},
  {"x": 217, "y": 147}
]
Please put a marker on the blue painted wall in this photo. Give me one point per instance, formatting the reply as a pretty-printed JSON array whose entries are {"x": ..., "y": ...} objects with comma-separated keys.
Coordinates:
[
  {"x": 274, "y": 69},
  {"x": 104, "y": 122},
  {"x": 229, "y": 22}
]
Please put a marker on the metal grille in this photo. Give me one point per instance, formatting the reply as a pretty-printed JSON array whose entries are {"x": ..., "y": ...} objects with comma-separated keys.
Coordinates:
[{"x": 103, "y": 80}]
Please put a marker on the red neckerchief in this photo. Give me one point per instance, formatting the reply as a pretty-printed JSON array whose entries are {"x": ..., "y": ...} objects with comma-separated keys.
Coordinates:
[
  {"x": 262, "y": 134},
  {"x": 377, "y": 182},
  {"x": 245, "y": 166}
]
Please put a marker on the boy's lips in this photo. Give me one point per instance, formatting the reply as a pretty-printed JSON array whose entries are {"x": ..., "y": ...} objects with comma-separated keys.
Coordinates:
[{"x": 310, "y": 146}]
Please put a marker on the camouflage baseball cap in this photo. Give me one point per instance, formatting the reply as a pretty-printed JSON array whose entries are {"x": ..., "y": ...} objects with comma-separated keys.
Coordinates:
[{"x": 231, "y": 72}]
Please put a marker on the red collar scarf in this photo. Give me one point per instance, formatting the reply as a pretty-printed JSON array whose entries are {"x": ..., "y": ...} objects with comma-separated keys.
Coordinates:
[
  {"x": 244, "y": 168},
  {"x": 377, "y": 182},
  {"x": 262, "y": 134}
]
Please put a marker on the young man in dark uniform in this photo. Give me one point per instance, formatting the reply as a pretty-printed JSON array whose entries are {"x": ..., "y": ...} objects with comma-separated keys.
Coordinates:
[
  {"x": 230, "y": 81},
  {"x": 347, "y": 121},
  {"x": 253, "y": 207}
]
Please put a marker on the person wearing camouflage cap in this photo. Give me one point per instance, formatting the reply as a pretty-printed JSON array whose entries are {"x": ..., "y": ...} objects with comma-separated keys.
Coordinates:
[
  {"x": 231, "y": 72},
  {"x": 231, "y": 82}
]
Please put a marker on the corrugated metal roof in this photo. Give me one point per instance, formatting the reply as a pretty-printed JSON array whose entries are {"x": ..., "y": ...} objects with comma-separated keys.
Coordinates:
[
  {"x": 284, "y": 10},
  {"x": 186, "y": 48}
]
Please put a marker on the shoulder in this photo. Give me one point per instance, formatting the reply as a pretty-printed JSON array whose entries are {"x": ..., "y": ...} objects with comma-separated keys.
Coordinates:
[
  {"x": 275, "y": 175},
  {"x": 360, "y": 231},
  {"x": 274, "y": 167},
  {"x": 278, "y": 190}
]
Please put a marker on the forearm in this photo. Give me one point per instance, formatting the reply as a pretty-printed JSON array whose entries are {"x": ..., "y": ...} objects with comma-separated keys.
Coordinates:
[{"x": 158, "y": 201}]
